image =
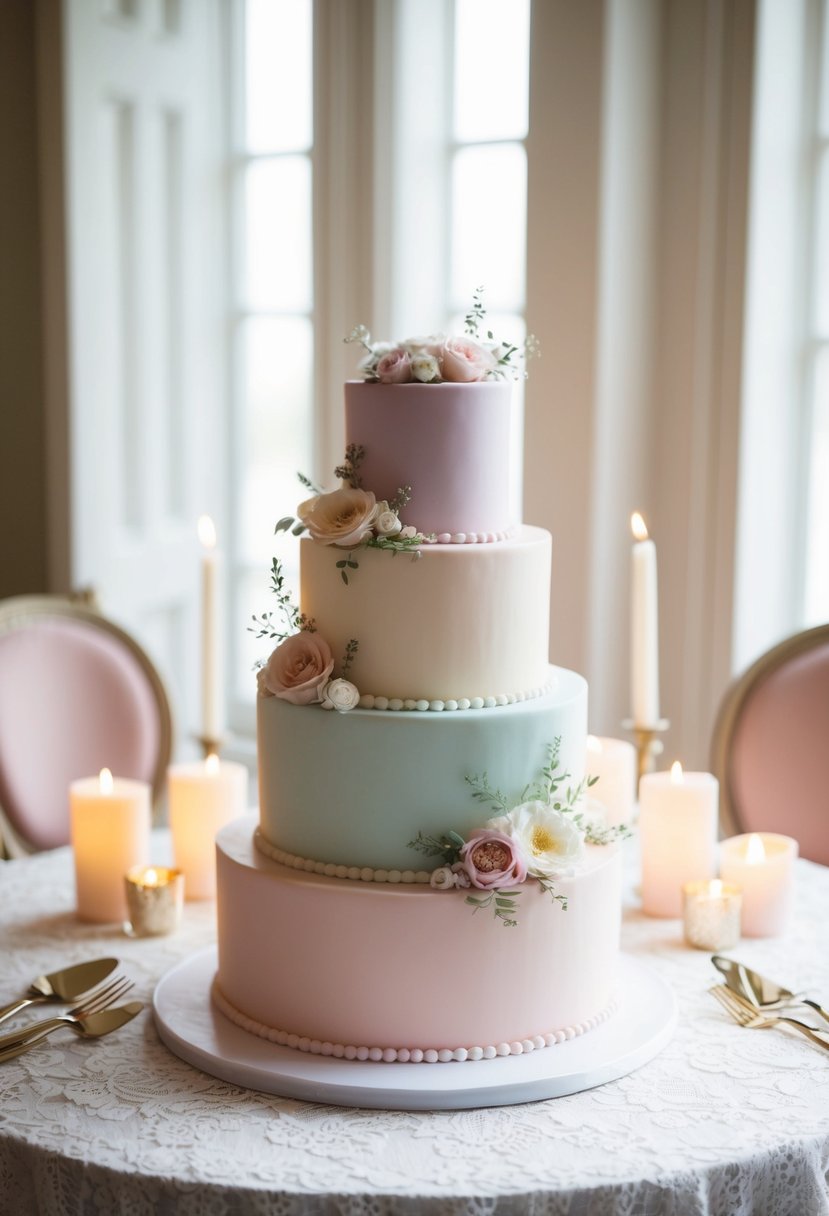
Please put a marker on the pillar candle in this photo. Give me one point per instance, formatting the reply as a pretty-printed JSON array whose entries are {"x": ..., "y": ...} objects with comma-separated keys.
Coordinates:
[
  {"x": 110, "y": 831},
  {"x": 613, "y": 761},
  {"x": 763, "y": 865},
  {"x": 203, "y": 797},
  {"x": 211, "y": 657},
  {"x": 644, "y": 628},
  {"x": 678, "y": 830}
]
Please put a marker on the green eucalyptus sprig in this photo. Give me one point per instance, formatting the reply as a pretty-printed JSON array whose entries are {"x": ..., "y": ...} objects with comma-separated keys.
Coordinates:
[
  {"x": 351, "y": 648},
  {"x": 501, "y": 901},
  {"x": 482, "y": 791},
  {"x": 448, "y": 847},
  {"x": 286, "y": 618}
]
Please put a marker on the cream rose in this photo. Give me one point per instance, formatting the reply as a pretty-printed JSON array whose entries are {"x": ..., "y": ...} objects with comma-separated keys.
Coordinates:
[
  {"x": 344, "y": 517},
  {"x": 463, "y": 360},
  {"x": 394, "y": 368},
  {"x": 550, "y": 841},
  {"x": 387, "y": 522},
  {"x": 298, "y": 669},
  {"x": 425, "y": 368},
  {"x": 341, "y": 695},
  {"x": 443, "y": 879}
]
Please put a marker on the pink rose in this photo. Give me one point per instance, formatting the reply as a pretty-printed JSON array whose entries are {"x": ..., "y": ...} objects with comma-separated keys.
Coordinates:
[
  {"x": 463, "y": 360},
  {"x": 299, "y": 669},
  {"x": 344, "y": 517},
  {"x": 394, "y": 368},
  {"x": 492, "y": 859}
]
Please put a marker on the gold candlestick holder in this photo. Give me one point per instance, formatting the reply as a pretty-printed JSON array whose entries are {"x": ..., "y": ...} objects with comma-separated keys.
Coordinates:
[
  {"x": 209, "y": 746},
  {"x": 648, "y": 744}
]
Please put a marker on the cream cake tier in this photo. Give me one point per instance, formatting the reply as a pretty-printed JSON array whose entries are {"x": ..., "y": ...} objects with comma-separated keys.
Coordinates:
[
  {"x": 449, "y": 442},
  {"x": 377, "y": 971},
  {"x": 459, "y": 622},
  {"x": 353, "y": 789}
]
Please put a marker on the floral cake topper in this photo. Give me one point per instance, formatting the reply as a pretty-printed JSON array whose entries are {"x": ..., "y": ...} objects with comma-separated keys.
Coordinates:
[
  {"x": 438, "y": 359},
  {"x": 541, "y": 836}
]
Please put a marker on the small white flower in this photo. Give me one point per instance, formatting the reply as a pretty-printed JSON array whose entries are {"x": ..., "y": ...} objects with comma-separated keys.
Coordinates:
[
  {"x": 341, "y": 695},
  {"x": 425, "y": 368},
  {"x": 386, "y": 523},
  {"x": 552, "y": 843},
  {"x": 443, "y": 879},
  {"x": 461, "y": 877},
  {"x": 408, "y": 533}
]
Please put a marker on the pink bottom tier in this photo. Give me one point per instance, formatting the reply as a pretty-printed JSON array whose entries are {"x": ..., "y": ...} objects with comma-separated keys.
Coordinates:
[{"x": 379, "y": 971}]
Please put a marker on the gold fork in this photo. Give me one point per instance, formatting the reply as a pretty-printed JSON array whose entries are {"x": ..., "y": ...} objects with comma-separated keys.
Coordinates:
[
  {"x": 747, "y": 1015},
  {"x": 77, "y": 1018}
]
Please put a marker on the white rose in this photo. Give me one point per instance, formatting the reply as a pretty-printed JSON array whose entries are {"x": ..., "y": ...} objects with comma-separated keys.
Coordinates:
[
  {"x": 425, "y": 368},
  {"x": 553, "y": 844},
  {"x": 386, "y": 523},
  {"x": 443, "y": 879},
  {"x": 341, "y": 695}
]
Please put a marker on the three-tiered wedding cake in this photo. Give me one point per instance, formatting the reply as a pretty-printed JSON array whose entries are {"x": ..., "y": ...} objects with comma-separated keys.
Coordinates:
[{"x": 423, "y": 884}]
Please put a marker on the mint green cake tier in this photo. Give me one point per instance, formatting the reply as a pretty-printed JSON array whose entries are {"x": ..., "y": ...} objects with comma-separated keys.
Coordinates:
[{"x": 354, "y": 788}]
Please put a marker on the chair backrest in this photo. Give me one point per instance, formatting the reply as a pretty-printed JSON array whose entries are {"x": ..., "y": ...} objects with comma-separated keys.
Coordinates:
[
  {"x": 771, "y": 745},
  {"x": 77, "y": 694}
]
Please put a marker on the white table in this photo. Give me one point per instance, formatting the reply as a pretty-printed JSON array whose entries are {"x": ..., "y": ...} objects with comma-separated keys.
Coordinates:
[{"x": 723, "y": 1121}]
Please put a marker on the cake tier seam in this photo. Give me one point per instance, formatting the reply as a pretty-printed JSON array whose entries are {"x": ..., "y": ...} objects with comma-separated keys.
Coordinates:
[
  {"x": 406, "y": 1055},
  {"x": 450, "y": 704},
  {"x": 329, "y": 869}
]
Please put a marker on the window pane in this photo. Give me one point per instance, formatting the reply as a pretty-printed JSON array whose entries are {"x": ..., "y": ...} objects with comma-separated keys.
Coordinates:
[
  {"x": 276, "y": 387},
  {"x": 491, "y": 69},
  {"x": 817, "y": 550},
  {"x": 278, "y": 61},
  {"x": 277, "y": 260},
  {"x": 489, "y": 223}
]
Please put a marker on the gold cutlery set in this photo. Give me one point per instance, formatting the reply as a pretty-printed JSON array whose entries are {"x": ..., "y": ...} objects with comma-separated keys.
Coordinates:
[
  {"x": 758, "y": 1003},
  {"x": 95, "y": 1011}
]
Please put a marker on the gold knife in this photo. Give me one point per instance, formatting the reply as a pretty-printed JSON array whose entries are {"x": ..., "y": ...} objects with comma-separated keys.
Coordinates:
[{"x": 66, "y": 985}]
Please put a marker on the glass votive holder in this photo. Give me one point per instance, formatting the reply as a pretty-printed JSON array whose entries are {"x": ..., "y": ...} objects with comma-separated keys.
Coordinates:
[
  {"x": 155, "y": 895},
  {"x": 711, "y": 914}
]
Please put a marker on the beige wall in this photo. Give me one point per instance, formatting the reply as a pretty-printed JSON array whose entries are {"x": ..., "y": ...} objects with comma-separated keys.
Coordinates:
[{"x": 23, "y": 516}]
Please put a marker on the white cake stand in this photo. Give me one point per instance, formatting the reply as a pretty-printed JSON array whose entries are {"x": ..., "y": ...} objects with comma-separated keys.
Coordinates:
[{"x": 194, "y": 1029}]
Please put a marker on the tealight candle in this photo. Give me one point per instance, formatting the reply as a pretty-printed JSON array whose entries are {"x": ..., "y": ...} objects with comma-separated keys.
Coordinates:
[
  {"x": 678, "y": 830},
  {"x": 154, "y": 899},
  {"x": 203, "y": 797},
  {"x": 110, "y": 832},
  {"x": 763, "y": 865},
  {"x": 711, "y": 914},
  {"x": 613, "y": 761}
]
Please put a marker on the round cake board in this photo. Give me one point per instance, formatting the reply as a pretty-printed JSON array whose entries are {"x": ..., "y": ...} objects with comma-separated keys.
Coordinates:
[{"x": 195, "y": 1030}]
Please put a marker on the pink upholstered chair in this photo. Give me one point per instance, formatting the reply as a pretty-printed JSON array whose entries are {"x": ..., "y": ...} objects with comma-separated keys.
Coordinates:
[
  {"x": 771, "y": 745},
  {"x": 77, "y": 694}
]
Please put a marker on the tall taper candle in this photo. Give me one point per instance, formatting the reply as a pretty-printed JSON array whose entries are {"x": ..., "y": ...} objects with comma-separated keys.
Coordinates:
[
  {"x": 211, "y": 664},
  {"x": 644, "y": 628}
]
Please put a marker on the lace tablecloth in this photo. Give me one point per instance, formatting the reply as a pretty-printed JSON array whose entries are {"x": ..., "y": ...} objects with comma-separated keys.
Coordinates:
[{"x": 723, "y": 1121}]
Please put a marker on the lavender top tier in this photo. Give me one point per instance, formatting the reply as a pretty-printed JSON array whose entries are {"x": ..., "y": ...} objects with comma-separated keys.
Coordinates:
[{"x": 449, "y": 442}]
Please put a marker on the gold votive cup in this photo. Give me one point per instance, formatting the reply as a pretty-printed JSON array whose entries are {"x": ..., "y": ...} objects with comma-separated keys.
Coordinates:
[
  {"x": 711, "y": 914},
  {"x": 155, "y": 895}
]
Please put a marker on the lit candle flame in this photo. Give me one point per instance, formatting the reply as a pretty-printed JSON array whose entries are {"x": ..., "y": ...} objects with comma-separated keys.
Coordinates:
[
  {"x": 638, "y": 526},
  {"x": 151, "y": 878},
  {"x": 207, "y": 532},
  {"x": 105, "y": 781},
  {"x": 755, "y": 850},
  {"x": 676, "y": 773},
  {"x": 716, "y": 887},
  {"x": 594, "y": 744},
  {"x": 211, "y": 764}
]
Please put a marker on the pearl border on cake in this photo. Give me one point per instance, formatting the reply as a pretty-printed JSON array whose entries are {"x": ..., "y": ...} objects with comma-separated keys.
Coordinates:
[
  {"x": 328, "y": 869},
  {"x": 450, "y": 704},
  {"x": 470, "y": 538},
  {"x": 405, "y": 1055}
]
